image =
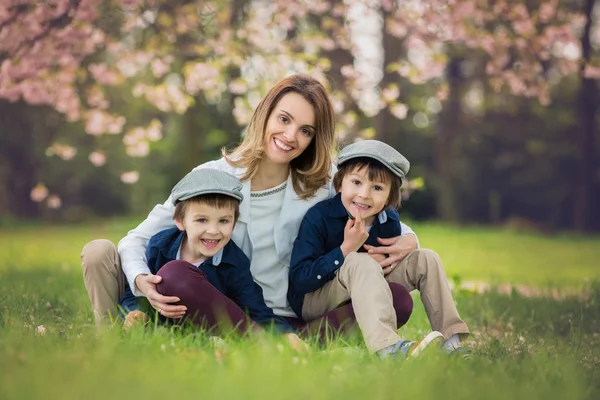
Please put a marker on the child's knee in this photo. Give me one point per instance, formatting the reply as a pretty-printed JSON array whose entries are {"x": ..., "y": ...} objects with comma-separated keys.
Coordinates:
[
  {"x": 429, "y": 259},
  {"x": 97, "y": 251},
  {"x": 178, "y": 278},
  {"x": 361, "y": 263},
  {"x": 176, "y": 269}
]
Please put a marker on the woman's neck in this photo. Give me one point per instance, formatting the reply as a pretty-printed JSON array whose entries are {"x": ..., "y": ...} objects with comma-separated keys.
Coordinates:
[{"x": 269, "y": 175}]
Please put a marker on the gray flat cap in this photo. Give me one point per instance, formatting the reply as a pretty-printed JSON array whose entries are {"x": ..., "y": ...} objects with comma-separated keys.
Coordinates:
[
  {"x": 205, "y": 181},
  {"x": 384, "y": 153}
]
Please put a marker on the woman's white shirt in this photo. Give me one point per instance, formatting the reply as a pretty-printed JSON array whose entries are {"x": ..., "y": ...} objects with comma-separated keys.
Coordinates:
[
  {"x": 132, "y": 248},
  {"x": 267, "y": 270}
]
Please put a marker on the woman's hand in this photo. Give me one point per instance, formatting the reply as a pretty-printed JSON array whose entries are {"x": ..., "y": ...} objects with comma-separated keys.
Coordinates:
[
  {"x": 377, "y": 257},
  {"x": 146, "y": 283},
  {"x": 296, "y": 343},
  {"x": 397, "y": 248}
]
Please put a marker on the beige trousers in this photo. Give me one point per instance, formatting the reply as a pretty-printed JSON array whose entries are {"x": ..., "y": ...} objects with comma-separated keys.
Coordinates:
[
  {"x": 103, "y": 278},
  {"x": 423, "y": 270},
  {"x": 361, "y": 280}
]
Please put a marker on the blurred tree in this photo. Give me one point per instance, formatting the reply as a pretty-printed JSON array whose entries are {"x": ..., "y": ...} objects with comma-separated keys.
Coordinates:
[
  {"x": 19, "y": 162},
  {"x": 193, "y": 71},
  {"x": 586, "y": 188},
  {"x": 447, "y": 145}
]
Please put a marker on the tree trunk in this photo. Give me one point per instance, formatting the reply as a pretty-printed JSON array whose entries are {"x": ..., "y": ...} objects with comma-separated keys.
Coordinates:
[
  {"x": 446, "y": 146},
  {"x": 18, "y": 161},
  {"x": 392, "y": 50},
  {"x": 338, "y": 57},
  {"x": 588, "y": 100},
  {"x": 230, "y": 125}
]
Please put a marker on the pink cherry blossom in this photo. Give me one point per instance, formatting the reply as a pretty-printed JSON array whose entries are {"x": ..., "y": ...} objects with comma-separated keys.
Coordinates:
[
  {"x": 40, "y": 330},
  {"x": 139, "y": 149},
  {"x": 130, "y": 177},
  {"x": 62, "y": 151},
  {"x": 399, "y": 111},
  {"x": 390, "y": 93},
  {"x": 591, "y": 72},
  {"x": 154, "y": 131},
  {"x": 54, "y": 202},
  {"x": 97, "y": 158},
  {"x": 39, "y": 193}
]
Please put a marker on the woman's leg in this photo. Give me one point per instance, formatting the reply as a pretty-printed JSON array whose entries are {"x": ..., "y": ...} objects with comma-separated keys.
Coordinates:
[
  {"x": 103, "y": 278},
  {"x": 206, "y": 305}
]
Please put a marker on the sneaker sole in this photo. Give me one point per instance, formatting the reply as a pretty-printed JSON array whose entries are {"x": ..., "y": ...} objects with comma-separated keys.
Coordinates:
[{"x": 432, "y": 337}]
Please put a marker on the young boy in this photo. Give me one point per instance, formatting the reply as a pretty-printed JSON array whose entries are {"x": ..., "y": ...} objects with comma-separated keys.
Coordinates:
[
  {"x": 326, "y": 269},
  {"x": 206, "y": 210}
]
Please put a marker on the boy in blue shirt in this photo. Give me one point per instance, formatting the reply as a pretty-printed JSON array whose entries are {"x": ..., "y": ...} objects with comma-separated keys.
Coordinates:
[
  {"x": 201, "y": 265},
  {"x": 329, "y": 266}
]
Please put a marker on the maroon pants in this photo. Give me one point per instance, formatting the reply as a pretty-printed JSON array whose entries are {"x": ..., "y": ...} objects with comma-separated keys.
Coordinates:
[{"x": 210, "y": 308}]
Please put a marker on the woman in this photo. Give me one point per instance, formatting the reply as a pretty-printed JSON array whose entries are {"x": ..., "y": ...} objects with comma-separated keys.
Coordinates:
[{"x": 285, "y": 165}]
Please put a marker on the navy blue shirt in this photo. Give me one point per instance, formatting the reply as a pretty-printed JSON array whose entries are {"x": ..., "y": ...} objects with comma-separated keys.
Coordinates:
[
  {"x": 228, "y": 271},
  {"x": 317, "y": 254}
]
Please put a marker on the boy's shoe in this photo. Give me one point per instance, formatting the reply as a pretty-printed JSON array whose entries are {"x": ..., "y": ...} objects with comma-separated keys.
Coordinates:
[
  {"x": 217, "y": 342},
  {"x": 417, "y": 348},
  {"x": 461, "y": 352},
  {"x": 408, "y": 349},
  {"x": 134, "y": 318}
]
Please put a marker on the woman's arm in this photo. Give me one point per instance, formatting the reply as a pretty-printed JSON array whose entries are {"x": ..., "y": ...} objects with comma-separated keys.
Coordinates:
[
  {"x": 132, "y": 248},
  {"x": 397, "y": 247}
]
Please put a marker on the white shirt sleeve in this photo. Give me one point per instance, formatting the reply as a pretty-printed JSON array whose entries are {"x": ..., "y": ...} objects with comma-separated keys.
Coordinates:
[
  {"x": 406, "y": 230},
  {"x": 132, "y": 248},
  {"x": 332, "y": 191}
]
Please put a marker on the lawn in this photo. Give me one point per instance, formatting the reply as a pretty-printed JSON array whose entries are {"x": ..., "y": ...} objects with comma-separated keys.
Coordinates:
[{"x": 533, "y": 347}]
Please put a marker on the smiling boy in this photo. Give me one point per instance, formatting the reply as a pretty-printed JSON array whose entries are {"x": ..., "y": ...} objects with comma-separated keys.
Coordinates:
[
  {"x": 200, "y": 264},
  {"x": 329, "y": 266}
]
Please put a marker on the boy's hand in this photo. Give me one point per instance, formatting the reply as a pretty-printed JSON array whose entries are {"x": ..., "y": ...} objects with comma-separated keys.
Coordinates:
[
  {"x": 296, "y": 343},
  {"x": 146, "y": 283},
  {"x": 355, "y": 235}
]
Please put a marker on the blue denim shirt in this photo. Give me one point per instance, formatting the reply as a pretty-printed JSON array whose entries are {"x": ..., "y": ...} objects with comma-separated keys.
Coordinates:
[
  {"x": 317, "y": 255},
  {"x": 228, "y": 271}
]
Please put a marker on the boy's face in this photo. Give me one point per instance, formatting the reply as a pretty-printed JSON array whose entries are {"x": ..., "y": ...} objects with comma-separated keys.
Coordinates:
[
  {"x": 208, "y": 229},
  {"x": 362, "y": 195}
]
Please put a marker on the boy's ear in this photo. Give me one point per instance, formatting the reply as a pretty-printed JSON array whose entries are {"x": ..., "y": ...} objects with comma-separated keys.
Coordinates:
[{"x": 179, "y": 224}]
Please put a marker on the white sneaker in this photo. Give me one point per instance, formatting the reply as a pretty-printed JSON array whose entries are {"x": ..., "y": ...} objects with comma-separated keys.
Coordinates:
[
  {"x": 417, "y": 348},
  {"x": 408, "y": 348}
]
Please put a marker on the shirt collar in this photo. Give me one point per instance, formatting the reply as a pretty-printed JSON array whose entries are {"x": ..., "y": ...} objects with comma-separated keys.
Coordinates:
[
  {"x": 338, "y": 210},
  {"x": 382, "y": 216},
  {"x": 216, "y": 259}
]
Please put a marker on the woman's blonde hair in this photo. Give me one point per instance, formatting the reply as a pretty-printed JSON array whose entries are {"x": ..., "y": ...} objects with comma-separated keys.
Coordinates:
[{"x": 310, "y": 170}]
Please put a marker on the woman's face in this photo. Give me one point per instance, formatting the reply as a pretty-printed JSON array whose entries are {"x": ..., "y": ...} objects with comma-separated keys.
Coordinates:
[{"x": 290, "y": 128}]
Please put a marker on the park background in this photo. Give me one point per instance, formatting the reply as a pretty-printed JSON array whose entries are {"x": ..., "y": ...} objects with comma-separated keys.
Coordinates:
[{"x": 104, "y": 105}]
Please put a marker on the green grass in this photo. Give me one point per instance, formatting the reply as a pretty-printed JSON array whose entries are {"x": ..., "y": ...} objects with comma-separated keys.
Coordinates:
[{"x": 526, "y": 347}]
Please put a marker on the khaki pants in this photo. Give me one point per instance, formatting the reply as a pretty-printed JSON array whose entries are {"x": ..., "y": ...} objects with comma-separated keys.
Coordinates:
[
  {"x": 361, "y": 280},
  {"x": 103, "y": 277},
  {"x": 423, "y": 270}
]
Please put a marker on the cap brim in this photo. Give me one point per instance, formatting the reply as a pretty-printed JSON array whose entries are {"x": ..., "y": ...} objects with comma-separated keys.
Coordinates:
[
  {"x": 203, "y": 192},
  {"x": 399, "y": 174}
]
